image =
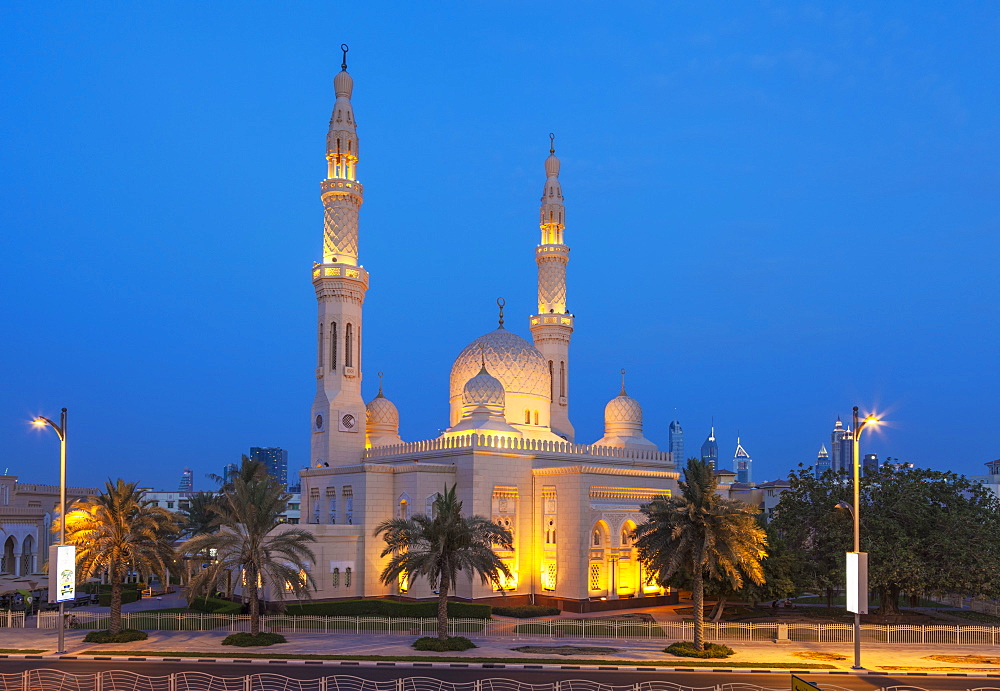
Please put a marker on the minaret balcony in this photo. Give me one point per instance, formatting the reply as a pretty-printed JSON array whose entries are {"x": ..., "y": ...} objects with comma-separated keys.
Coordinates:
[
  {"x": 336, "y": 270},
  {"x": 552, "y": 250},
  {"x": 552, "y": 319}
]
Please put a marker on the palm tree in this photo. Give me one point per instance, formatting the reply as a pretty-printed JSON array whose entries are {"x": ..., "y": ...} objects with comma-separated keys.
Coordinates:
[
  {"x": 248, "y": 470},
  {"x": 199, "y": 516},
  {"x": 437, "y": 547},
  {"x": 247, "y": 544},
  {"x": 700, "y": 535},
  {"x": 118, "y": 531}
]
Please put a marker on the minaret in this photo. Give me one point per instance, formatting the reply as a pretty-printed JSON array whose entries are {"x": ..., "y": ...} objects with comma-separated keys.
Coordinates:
[
  {"x": 338, "y": 417},
  {"x": 552, "y": 327}
]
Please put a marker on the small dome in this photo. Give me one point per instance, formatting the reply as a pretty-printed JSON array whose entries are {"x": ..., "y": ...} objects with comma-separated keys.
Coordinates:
[
  {"x": 623, "y": 409},
  {"x": 518, "y": 364},
  {"x": 552, "y": 166},
  {"x": 483, "y": 389},
  {"x": 381, "y": 411},
  {"x": 343, "y": 84}
]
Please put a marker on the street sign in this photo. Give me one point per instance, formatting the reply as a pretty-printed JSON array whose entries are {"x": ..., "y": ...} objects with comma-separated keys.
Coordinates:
[
  {"x": 62, "y": 573},
  {"x": 800, "y": 684}
]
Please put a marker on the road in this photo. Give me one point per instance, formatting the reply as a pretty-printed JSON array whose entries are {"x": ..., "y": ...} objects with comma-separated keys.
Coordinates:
[{"x": 384, "y": 673}]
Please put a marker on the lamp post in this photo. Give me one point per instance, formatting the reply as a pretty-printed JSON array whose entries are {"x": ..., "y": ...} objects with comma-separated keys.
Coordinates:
[
  {"x": 60, "y": 431},
  {"x": 856, "y": 515}
]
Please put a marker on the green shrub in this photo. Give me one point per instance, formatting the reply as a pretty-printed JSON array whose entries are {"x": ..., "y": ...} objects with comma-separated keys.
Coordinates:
[
  {"x": 247, "y": 640},
  {"x": 526, "y": 611},
  {"x": 126, "y": 636},
  {"x": 439, "y": 646},
  {"x": 128, "y": 595},
  {"x": 215, "y": 605},
  {"x": 388, "y": 608},
  {"x": 687, "y": 649}
]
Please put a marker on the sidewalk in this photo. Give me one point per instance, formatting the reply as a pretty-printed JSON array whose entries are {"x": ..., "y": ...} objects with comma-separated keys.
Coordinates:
[{"x": 887, "y": 658}]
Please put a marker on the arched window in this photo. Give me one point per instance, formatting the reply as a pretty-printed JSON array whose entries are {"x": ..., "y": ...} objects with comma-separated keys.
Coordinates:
[
  {"x": 333, "y": 508},
  {"x": 347, "y": 577},
  {"x": 527, "y": 417},
  {"x": 349, "y": 346},
  {"x": 536, "y": 417},
  {"x": 626, "y": 536},
  {"x": 597, "y": 537},
  {"x": 319, "y": 346},
  {"x": 335, "y": 577},
  {"x": 552, "y": 381},
  {"x": 333, "y": 346},
  {"x": 562, "y": 378}
]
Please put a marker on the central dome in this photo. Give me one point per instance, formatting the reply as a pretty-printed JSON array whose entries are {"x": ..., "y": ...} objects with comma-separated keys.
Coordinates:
[{"x": 514, "y": 361}]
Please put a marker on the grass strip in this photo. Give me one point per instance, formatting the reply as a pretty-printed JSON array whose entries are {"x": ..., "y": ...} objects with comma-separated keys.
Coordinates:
[
  {"x": 19, "y": 651},
  {"x": 676, "y": 662}
]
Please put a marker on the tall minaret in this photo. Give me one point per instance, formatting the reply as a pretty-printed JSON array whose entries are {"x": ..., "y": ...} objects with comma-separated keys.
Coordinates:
[
  {"x": 338, "y": 417},
  {"x": 552, "y": 327}
]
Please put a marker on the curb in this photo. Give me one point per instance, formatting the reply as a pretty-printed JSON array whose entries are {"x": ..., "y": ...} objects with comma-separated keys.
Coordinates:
[{"x": 493, "y": 665}]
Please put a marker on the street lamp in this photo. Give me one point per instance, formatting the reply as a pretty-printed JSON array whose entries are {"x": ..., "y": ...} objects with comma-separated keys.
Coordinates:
[
  {"x": 859, "y": 426},
  {"x": 60, "y": 431}
]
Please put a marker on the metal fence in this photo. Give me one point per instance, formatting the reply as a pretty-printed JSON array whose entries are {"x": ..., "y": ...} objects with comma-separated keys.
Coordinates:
[
  {"x": 120, "y": 680},
  {"x": 964, "y": 634}
]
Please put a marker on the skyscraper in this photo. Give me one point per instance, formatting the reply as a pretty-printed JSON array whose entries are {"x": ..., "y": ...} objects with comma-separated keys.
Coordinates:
[
  {"x": 275, "y": 459},
  {"x": 710, "y": 450},
  {"x": 676, "y": 438},
  {"x": 742, "y": 463},
  {"x": 841, "y": 447},
  {"x": 822, "y": 461},
  {"x": 187, "y": 481}
]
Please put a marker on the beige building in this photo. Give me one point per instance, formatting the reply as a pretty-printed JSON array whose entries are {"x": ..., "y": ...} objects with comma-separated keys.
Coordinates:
[
  {"x": 510, "y": 448},
  {"x": 26, "y": 516}
]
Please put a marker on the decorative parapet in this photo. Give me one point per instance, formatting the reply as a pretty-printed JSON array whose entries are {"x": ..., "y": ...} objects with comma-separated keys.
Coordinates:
[{"x": 487, "y": 442}]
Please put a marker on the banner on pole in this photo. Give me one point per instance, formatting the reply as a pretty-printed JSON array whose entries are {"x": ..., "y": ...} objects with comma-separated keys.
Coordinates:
[
  {"x": 857, "y": 582},
  {"x": 62, "y": 573}
]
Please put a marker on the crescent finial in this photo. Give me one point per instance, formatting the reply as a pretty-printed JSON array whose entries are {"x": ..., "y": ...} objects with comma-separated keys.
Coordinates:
[
  {"x": 500, "y": 303},
  {"x": 623, "y": 380},
  {"x": 343, "y": 47},
  {"x": 552, "y": 142}
]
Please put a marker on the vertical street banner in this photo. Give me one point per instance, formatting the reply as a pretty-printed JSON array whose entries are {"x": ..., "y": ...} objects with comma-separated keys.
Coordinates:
[
  {"x": 857, "y": 582},
  {"x": 62, "y": 573}
]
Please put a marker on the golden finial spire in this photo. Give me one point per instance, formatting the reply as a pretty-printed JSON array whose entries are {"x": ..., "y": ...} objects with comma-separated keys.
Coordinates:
[
  {"x": 380, "y": 375},
  {"x": 623, "y": 381},
  {"x": 500, "y": 303},
  {"x": 343, "y": 65}
]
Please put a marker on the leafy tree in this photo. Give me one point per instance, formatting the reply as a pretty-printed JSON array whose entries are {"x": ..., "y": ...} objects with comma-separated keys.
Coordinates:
[
  {"x": 928, "y": 531},
  {"x": 925, "y": 531},
  {"x": 119, "y": 531},
  {"x": 703, "y": 536},
  {"x": 249, "y": 545},
  {"x": 809, "y": 524},
  {"x": 437, "y": 547}
]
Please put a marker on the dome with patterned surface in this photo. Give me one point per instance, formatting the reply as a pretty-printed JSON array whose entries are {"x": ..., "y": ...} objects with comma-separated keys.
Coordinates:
[
  {"x": 521, "y": 369},
  {"x": 381, "y": 411},
  {"x": 623, "y": 409},
  {"x": 483, "y": 389}
]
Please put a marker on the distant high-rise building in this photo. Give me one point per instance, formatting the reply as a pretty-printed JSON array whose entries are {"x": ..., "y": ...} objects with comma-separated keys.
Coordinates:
[
  {"x": 710, "y": 450},
  {"x": 275, "y": 459},
  {"x": 676, "y": 438},
  {"x": 229, "y": 471},
  {"x": 822, "y": 461},
  {"x": 742, "y": 463},
  {"x": 870, "y": 463},
  {"x": 841, "y": 447},
  {"x": 187, "y": 481}
]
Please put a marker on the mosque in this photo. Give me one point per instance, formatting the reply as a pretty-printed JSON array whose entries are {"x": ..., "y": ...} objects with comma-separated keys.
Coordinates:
[{"x": 510, "y": 448}]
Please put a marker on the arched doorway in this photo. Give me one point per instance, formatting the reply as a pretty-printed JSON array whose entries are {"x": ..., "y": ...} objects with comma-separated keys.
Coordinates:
[
  {"x": 7, "y": 561},
  {"x": 597, "y": 566}
]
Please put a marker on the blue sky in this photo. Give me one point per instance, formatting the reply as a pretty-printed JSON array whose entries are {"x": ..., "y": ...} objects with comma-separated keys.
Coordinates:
[{"x": 776, "y": 211}]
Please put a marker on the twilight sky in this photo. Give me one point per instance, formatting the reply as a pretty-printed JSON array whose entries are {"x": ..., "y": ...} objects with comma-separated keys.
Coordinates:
[{"x": 776, "y": 211}]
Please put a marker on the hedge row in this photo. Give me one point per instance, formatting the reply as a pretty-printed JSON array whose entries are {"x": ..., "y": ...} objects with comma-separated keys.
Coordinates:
[
  {"x": 128, "y": 595},
  {"x": 97, "y": 588},
  {"x": 388, "y": 608},
  {"x": 214, "y": 605}
]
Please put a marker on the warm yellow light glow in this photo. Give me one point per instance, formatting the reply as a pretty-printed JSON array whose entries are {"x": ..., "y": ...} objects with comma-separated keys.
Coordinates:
[
  {"x": 38, "y": 423},
  {"x": 404, "y": 582}
]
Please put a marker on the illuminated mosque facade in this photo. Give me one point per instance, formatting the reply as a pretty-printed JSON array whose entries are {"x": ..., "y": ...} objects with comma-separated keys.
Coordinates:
[{"x": 511, "y": 448}]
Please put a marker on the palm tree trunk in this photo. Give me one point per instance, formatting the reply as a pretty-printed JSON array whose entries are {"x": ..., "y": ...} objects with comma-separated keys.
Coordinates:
[
  {"x": 115, "y": 622},
  {"x": 251, "y": 575},
  {"x": 443, "y": 609},
  {"x": 698, "y": 600}
]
